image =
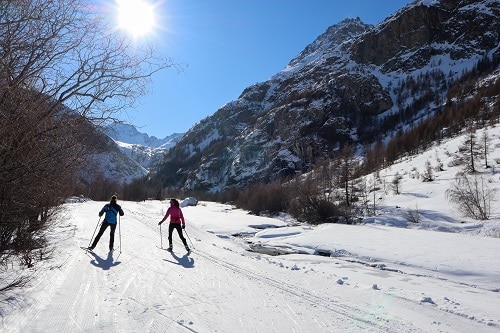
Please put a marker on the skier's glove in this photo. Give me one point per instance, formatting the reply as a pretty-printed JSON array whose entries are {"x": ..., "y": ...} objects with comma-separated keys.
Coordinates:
[
  {"x": 100, "y": 214},
  {"x": 183, "y": 226},
  {"x": 159, "y": 223}
]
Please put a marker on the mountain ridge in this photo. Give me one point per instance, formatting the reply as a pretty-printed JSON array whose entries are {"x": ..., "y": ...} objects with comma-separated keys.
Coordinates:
[
  {"x": 128, "y": 133},
  {"x": 334, "y": 93},
  {"x": 140, "y": 147}
]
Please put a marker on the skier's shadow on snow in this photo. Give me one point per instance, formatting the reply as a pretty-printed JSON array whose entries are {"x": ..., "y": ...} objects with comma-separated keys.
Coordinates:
[
  {"x": 104, "y": 263},
  {"x": 185, "y": 261}
]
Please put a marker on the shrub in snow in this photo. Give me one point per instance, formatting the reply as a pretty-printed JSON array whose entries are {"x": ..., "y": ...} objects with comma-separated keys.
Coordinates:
[{"x": 472, "y": 196}]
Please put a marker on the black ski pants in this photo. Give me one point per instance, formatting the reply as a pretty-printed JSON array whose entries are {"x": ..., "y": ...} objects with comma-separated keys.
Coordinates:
[
  {"x": 171, "y": 228},
  {"x": 104, "y": 225}
]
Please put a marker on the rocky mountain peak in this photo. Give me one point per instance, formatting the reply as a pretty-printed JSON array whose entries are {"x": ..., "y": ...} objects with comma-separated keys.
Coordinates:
[
  {"x": 335, "y": 36},
  {"x": 346, "y": 87}
]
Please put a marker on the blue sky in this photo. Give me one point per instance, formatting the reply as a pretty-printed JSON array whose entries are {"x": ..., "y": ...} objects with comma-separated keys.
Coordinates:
[{"x": 228, "y": 45}]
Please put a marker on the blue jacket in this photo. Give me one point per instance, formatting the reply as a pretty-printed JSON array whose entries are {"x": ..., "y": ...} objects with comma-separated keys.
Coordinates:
[{"x": 111, "y": 210}]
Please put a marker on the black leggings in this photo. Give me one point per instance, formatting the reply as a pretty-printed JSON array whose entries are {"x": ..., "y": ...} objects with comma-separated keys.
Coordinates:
[
  {"x": 171, "y": 228},
  {"x": 104, "y": 225}
]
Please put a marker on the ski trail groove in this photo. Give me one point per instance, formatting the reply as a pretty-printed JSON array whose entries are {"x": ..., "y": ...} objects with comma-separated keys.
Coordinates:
[{"x": 355, "y": 314}]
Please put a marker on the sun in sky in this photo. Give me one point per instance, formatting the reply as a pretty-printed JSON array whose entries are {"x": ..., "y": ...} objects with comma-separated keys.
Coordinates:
[{"x": 137, "y": 17}]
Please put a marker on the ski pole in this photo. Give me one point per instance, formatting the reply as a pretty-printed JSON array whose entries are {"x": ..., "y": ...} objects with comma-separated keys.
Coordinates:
[
  {"x": 161, "y": 239},
  {"x": 120, "y": 232},
  {"x": 189, "y": 239},
  {"x": 90, "y": 243}
]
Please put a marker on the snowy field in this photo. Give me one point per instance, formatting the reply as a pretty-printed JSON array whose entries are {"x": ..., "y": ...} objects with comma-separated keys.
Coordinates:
[
  {"x": 386, "y": 274},
  {"x": 377, "y": 279}
]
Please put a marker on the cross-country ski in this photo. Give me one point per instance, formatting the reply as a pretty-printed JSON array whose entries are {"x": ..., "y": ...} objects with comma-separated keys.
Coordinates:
[{"x": 181, "y": 250}]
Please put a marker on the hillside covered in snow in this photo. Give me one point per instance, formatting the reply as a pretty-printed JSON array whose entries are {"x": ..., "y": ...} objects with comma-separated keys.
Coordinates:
[{"x": 388, "y": 273}]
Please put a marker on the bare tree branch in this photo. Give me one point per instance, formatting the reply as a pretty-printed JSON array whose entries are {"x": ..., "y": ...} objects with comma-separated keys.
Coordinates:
[{"x": 63, "y": 68}]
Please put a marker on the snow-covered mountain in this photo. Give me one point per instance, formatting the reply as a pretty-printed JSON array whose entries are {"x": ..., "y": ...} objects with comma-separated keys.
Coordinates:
[
  {"x": 124, "y": 154},
  {"x": 112, "y": 163},
  {"x": 129, "y": 134},
  {"x": 140, "y": 147},
  {"x": 355, "y": 84}
]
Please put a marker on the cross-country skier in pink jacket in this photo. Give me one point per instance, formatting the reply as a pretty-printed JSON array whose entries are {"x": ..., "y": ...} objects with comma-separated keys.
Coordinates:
[{"x": 176, "y": 222}]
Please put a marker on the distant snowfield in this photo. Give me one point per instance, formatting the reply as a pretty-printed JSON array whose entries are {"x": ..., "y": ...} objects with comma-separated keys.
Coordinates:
[{"x": 377, "y": 279}]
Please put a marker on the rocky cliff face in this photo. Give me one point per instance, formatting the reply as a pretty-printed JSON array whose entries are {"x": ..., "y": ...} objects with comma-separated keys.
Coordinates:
[
  {"x": 340, "y": 89},
  {"x": 409, "y": 39}
]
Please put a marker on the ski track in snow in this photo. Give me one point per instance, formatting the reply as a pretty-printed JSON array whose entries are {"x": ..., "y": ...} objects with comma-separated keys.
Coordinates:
[{"x": 220, "y": 287}]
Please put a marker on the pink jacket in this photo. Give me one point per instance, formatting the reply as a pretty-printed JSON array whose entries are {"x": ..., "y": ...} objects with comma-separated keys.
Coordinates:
[{"x": 175, "y": 215}]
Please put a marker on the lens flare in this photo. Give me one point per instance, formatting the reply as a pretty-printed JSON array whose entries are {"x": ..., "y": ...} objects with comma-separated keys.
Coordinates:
[{"x": 137, "y": 17}]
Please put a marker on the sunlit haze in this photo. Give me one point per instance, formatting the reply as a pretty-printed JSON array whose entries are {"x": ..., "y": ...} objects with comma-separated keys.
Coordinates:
[{"x": 137, "y": 17}]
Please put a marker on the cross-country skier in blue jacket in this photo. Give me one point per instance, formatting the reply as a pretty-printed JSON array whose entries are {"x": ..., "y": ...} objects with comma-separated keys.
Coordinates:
[{"x": 112, "y": 209}]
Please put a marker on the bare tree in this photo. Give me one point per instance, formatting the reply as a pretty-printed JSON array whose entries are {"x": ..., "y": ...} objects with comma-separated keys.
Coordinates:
[
  {"x": 484, "y": 146},
  {"x": 396, "y": 183},
  {"x": 428, "y": 174},
  {"x": 469, "y": 150},
  {"x": 344, "y": 168},
  {"x": 472, "y": 196},
  {"x": 71, "y": 53},
  {"x": 324, "y": 173},
  {"x": 63, "y": 69}
]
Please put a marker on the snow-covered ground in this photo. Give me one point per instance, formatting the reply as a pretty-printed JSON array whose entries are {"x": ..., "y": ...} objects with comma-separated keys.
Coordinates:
[
  {"x": 378, "y": 279},
  {"x": 386, "y": 274}
]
